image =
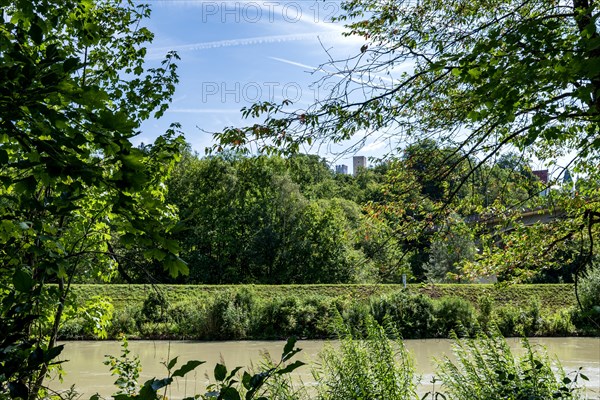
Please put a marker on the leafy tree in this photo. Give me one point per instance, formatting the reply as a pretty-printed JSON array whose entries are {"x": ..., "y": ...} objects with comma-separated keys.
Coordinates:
[
  {"x": 74, "y": 92},
  {"x": 250, "y": 220},
  {"x": 447, "y": 253},
  {"x": 485, "y": 77}
]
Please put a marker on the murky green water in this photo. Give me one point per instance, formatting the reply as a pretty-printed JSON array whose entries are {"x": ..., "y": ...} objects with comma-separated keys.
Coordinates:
[{"x": 86, "y": 370}]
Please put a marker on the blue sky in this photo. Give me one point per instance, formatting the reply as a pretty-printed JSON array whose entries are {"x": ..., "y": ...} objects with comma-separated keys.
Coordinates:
[{"x": 234, "y": 53}]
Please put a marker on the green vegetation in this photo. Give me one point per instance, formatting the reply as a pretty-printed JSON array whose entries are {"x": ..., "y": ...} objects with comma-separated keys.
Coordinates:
[
  {"x": 377, "y": 368},
  {"x": 75, "y": 91},
  {"x": 481, "y": 80},
  {"x": 311, "y": 311},
  {"x": 275, "y": 220},
  {"x": 486, "y": 369},
  {"x": 227, "y": 386},
  {"x": 79, "y": 203},
  {"x": 551, "y": 296}
]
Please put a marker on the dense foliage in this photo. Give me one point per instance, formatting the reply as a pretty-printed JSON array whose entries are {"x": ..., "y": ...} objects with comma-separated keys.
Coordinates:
[
  {"x": 293, "y": 220},
  {"x": 74, "y": 92},
  {"x": 482, "y": 77},
  {"x": 276, "y": 312}
]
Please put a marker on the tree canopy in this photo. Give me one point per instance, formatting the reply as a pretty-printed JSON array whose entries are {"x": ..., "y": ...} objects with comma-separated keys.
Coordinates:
[
  {"x": 484, "y": 77},
  {"x": 75, "y": 89}
]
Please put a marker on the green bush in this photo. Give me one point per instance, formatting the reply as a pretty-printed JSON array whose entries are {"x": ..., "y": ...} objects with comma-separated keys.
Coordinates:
[
  {"x": 355, "y": 316},
  {"x": 560, "y": 324},
  {"x": 73, "y": 329},
  {"x": 314, "y": 317},
  {"x": 192, "y": 320},
  {"x": 411, "y": 314},
  {"x": 589, "y": 290},
  {"x": 454, "y": 314},
  {"x": 155, "y": 307},
  {"x": 375, "y": 368},
  {"x": 507, "y": 320},
  {"x": 124, "y": 321},
  {"x": 485, "y": 369},
  {"x": 486, "y": 308},
  {"x": 531, "y": 319},
  {"x": 232, "y": 313},
  {"x": 278, "y": 318}
]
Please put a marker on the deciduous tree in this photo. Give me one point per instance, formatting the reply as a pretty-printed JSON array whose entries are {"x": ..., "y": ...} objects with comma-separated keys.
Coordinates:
[
  {"x": 74, "y": 92},
  {"x": 483, "y": 76}
]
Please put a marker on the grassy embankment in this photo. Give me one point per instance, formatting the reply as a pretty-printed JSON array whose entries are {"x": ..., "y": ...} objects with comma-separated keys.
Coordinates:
[
  {"x": 551, "y": 296},
  {"x": 315, "y": 311}
]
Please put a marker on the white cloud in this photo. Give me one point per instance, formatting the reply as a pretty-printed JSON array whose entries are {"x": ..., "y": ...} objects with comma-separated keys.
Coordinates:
[
  {"x": 297, "y": 64},
  {"x": 258, "y": 40}
]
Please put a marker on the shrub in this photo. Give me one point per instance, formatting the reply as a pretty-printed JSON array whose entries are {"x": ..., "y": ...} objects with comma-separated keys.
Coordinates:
[
  {"x": 454, "y": 314},
  {"x": 154, "y": 308},
  {"x": 314, "y": 317},
  {"x": 124, "y": 321},
  {"x": 531, "y": 319},
  {"x": 278, "y": 318},
  {"x": 355, "y": 317},
  {"x": 560, "y": 323},
  {"x": 231, "y": 314},
  {"x": 72, "y": 329},
  {"x": 486, "y": 307},
  {"x": 589, "y": 289},
  {"x": 376, "y": 368},
  {"x": 507, "y": 320},
  {"x": 485, "y": 369},
  {"x": 412, "y": 315},
  {"x": 192, "y": 320}
]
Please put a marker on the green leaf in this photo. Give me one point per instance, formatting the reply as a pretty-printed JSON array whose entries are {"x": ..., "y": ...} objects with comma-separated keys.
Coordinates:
[
  {"x": 291, "y": 367},
  {"x": 232, "y": 373},
  {"x": 53, "y": 353},
  {"x": 3, "y": 157},
  {"x": 158, "y": 384},
  {"x": 246, "y": 380},
  {"x": 36, "y": 33},
  {"x": 23, "y": 281},
  {"x": 220, "y": 372},
  {"x": 172, "y": 363},
  {"x": 229, "y": 393},
  {"x": 70, "y": 64},
  {"x": 176, "y": 266},
  {"x": 289, "y": 346},
  {"x": 187, "y": 367}
]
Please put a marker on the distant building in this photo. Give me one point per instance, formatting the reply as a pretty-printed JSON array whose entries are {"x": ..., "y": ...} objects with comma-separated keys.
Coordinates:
[
  {"x": 567, "y": 178},
  {"x": 542, "y": 175},
  {"x": 341, "y": 169},
  {"x": 358, "y": 163}
]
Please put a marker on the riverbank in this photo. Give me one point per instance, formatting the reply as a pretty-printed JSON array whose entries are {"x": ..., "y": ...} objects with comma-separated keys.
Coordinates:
[{"x": 320, "y": 311}]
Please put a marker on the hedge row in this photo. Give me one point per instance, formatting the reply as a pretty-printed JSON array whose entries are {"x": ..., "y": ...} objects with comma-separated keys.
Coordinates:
[{"x": 260, "y": 312}]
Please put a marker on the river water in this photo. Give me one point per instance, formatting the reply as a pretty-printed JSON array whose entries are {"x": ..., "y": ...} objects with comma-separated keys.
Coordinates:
[{"x": 86, "y": 370}]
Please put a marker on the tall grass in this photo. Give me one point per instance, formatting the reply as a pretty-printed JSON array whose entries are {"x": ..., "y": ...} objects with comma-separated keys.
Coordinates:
[
  {"x": 373, "y": 368},
  {"x": 486, "y": 369}
]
